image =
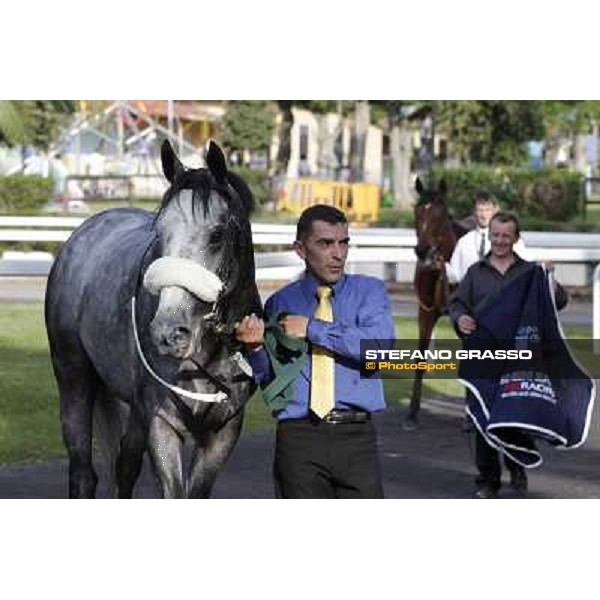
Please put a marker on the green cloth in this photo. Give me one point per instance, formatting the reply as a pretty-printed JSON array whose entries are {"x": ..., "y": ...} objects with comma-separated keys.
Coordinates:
[{"x": 287, "y": 355}]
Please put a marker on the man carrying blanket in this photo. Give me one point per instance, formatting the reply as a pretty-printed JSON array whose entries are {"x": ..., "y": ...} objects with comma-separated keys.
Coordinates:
[{"x": 506, "y": 301}]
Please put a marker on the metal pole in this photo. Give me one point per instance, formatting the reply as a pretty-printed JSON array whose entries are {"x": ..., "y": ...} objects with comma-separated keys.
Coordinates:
[
  {"x": 179, "y": 137},
  {"x": 596, "y": 309},
  {"x": 158, "y": 127},
  {"x": 170, "y": 112},
  {"x": 78, "y": 153},
  {"x": 432, "y": 147},
  {"x": 120, "y": 135},
  {"x": 340, "y": 139}
]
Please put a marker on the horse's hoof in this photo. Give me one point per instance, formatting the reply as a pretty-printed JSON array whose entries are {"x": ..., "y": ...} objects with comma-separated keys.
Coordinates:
[{"x": 410, "y": 424}]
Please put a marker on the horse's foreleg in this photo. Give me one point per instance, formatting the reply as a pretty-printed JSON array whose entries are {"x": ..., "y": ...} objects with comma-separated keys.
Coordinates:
[
  {"x": 78, "y": 391},
  {"x": 210, "y": 455},
  {"x": 166, "y": 446},
  {"x": 133, "y": 446},
  {"x": 427, "y": 320},
  {"x": 76, "y": 417}
]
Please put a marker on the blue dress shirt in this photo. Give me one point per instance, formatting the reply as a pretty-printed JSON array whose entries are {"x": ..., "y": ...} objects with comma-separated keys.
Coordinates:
[{"x": 361, "y": 310}]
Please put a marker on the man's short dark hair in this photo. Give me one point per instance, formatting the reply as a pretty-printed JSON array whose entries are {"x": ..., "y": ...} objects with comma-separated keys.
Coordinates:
[
  {"x": 318, "y": 212},
  {"x": 483, "y": 197},
  {"x": 506, "y": 217}
]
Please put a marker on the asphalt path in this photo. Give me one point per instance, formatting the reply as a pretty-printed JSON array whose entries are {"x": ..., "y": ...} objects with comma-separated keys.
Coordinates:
[{"x": 435, "y": 461}]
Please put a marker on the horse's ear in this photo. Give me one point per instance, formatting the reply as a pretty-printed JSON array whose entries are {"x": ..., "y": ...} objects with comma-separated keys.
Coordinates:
[
  {"x": 171, "y": 165},
  {"x": 419, "y": 186},
  {"x": 215, "y": 161},
  {"x": 443, "y": 187}
]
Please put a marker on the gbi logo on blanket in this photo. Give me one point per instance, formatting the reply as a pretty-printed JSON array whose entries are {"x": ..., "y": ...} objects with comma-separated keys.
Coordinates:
[{"x": 526, "y": 334}]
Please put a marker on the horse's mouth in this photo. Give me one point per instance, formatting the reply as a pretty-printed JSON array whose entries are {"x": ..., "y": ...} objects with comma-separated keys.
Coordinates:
[
  {"x": 178, "y": 353},
  {"x": 424, "y": 262}
]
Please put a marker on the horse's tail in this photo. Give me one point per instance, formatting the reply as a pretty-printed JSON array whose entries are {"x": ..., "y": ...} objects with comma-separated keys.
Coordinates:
[{"x": 109, "y": 422}]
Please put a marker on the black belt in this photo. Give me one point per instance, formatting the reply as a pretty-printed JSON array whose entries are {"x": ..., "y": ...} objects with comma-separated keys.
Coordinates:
[{"x": 334, "y": 417}]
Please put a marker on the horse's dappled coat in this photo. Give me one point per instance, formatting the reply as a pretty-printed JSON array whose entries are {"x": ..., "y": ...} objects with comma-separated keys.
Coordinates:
[{"x": 185, "y": 330}]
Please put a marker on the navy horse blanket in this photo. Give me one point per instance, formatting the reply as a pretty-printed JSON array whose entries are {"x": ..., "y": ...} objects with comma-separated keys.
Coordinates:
[{"x": 514, "y": 402}]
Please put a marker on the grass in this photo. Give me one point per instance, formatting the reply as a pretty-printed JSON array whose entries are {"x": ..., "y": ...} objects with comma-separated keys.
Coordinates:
[
  {"x": 29, "y": 415},
  {"x": 29, "y": 409},
  {"x": 29, "y": 418}
]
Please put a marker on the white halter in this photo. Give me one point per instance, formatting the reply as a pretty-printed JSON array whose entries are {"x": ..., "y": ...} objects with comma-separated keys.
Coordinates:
[{"x": 182, "y": 272}]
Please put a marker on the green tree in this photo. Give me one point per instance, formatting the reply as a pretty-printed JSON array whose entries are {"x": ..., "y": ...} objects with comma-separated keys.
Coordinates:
[
  {"x": 570, "y": 119},
  {"x": 490, "y": 131},
  {"x": 284, "y": 134},
  {"x": 396, "y": 116},
  {"x": 248, "y": 125},
  {"x": 12, "y": 126},
  {"x": 33, "y": 122},
  {"x": 44, "y": 119}
]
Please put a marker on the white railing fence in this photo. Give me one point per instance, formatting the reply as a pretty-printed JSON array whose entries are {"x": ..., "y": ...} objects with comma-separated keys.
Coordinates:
[
  {"x": 596, "y": 308},
  {"x": 376, "y": 245}
]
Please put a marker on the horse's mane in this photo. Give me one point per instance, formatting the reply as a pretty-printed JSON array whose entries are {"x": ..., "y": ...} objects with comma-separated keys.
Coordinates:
[
  {"x": 234, "y": 191},
  {"x": 463, "y": 226}
]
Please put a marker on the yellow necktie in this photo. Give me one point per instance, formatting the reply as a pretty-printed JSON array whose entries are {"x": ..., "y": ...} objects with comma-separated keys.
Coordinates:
[{"x": 322, "y": 393}]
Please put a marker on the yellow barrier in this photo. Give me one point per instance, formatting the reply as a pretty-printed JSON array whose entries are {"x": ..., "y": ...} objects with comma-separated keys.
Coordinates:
[{"x": 359, "y": 201}]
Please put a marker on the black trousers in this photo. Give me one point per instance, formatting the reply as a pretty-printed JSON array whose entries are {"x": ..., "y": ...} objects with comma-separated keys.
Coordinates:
[
  {"x": 326, "y": 460},
  {"x": 488, "y": 464}
]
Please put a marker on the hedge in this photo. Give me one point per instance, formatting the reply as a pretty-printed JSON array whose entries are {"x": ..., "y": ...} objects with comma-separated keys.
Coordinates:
[
  {"x": 24, "y": 193},
  {"x": 552, "y": 194},
  {"x": 259, "y": 182}
]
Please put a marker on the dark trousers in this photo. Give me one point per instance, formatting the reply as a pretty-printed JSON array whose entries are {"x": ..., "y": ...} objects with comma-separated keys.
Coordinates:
[
  {"x": 488, "y": 464},
  {"x": 326, "y": 460}
]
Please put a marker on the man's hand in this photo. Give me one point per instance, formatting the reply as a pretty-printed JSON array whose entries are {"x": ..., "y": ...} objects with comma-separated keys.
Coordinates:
[
  {"x": 294, "y": 326},
  {"x": 250, "y": 331},
  {"x": 466, "y": 324}
]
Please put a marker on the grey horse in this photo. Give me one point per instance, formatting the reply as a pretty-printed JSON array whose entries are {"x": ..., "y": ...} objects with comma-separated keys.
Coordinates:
[{"x": 140, "y": 311}]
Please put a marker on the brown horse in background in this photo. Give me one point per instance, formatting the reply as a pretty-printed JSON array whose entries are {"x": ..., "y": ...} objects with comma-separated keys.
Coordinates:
[{"x": 437, "y": 234}]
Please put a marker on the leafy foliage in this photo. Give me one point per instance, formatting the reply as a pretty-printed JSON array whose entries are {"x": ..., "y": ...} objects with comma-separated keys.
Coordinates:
[
  {"x": 247, "y": 125},
  {"x": 322, "y": 107},
  {"x": 33, "y": 122},
  {"x": 258, "y": 181},
  {"x": 491, "y": 131},
  {"x": 24, "y": 193},
  {"x": 552, "y": 194},
  {"x": 570, "y": 116},
  {"x": 12, "y": 128}
]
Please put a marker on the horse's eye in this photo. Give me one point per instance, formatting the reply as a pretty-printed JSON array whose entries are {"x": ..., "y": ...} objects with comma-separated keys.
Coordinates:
[{"x": 216, "y": 238}]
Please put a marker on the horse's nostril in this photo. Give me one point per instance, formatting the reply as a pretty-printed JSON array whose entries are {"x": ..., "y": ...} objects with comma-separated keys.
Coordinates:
[
  {"x": 174, "y": 341},
  {"x": 180, "y": 337}
]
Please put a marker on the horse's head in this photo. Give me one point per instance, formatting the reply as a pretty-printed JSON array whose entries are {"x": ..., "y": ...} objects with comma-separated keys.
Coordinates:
[
  {"x": 205, "y": 248},
  {"x": 432, "y": 224}
]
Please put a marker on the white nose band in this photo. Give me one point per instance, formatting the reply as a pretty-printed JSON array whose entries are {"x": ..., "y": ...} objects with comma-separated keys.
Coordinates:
[{"x": 182, "y": 272}]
